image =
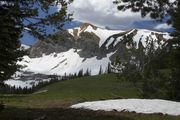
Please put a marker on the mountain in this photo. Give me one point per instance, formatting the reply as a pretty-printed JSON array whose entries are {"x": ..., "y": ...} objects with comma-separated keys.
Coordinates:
[{"x": 89, "y": 48}]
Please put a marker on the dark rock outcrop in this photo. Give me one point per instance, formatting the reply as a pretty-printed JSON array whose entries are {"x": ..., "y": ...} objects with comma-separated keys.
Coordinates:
[{"x": 59, "y": 42}]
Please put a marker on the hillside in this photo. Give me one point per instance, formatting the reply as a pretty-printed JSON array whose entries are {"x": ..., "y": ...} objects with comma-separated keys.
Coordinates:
[{"x": 81, "y": 89}]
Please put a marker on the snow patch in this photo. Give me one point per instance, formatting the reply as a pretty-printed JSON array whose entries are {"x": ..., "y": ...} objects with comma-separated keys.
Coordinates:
[
  {"x": 119, "y": 39},
  {"x": 25, "y": 47},
  {"x": 111, "y": 40},
  {"x": 146, "y": 106}
]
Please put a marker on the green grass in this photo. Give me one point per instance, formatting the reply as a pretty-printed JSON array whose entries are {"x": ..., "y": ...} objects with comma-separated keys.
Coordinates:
[
  {"x": 55, "y": 103},
  {"x": 76, "y": 90}
]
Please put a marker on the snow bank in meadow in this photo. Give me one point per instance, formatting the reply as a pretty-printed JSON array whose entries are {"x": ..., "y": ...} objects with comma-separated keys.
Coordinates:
[{"x": 145, "y": 106}]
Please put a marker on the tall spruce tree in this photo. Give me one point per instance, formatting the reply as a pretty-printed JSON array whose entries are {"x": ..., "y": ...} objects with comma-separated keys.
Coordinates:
[
  {"x": 17, "y": 16},
  {"x": 174, "y": 55},
  {"x": 11, "y": 27}
]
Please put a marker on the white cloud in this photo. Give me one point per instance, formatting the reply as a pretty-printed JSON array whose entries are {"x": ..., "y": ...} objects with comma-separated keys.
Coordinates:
[
  {"x": 162, "y": 26},
  {"x": 104, "y": 13}
]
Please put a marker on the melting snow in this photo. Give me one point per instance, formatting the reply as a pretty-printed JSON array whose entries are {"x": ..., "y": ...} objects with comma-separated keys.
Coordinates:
[{"x": 145, "y": 106}]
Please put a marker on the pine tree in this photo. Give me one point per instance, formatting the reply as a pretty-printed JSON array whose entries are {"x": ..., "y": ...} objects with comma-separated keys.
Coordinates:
[
  {"x": 10, "y": 26},
  {"x": 100, "y": 70},
  {"x": 80, "y": 74},
  {"x": 17, "y": 16},
  {"x": 87, "y": 73},
  {"x": 109, "y": 68}
]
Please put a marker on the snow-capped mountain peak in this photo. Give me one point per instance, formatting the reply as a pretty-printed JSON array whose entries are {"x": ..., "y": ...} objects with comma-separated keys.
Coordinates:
[{"x": 88, "y": 48}]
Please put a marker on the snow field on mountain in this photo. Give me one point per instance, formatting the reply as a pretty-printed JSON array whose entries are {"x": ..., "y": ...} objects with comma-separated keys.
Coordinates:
[
  {"x": 146, "y": 106},
  {"x": 23, "y": 84},
  {"x": 145, "y": 36},
  {"x": 103, "y": 34},
  {"x": 64, "y": 63}
]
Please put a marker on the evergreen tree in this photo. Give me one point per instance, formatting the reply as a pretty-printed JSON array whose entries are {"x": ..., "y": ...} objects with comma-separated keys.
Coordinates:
[
  {"x": 100, "y": 70},
  {"x": 157, "y": 9},
  {"x": 162, "y": 69},
  {"x": 174, "y": 57},
  {"x": 87, "y": 73},
  {"x": 19, "y": 16},
  {"x": 109, "y": 68},
  {"x": 11, "y": 27},
  {"x": 80, "y": 74}
]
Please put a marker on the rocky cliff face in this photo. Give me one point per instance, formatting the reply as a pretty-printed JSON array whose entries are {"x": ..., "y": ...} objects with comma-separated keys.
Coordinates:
[
  {"x": 87, "y": 43},
  {"x": 59, "y": 42}
]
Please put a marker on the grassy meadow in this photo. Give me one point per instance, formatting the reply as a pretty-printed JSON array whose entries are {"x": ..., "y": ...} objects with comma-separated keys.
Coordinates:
[{"x": 54, "y": 104}]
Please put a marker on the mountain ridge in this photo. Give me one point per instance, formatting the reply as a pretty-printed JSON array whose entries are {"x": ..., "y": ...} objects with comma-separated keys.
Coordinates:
[{"x": 89, "y": 48}]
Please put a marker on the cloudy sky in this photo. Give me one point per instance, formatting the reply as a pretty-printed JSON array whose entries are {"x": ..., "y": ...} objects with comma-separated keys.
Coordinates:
[{"x": 104, "y": 13}]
